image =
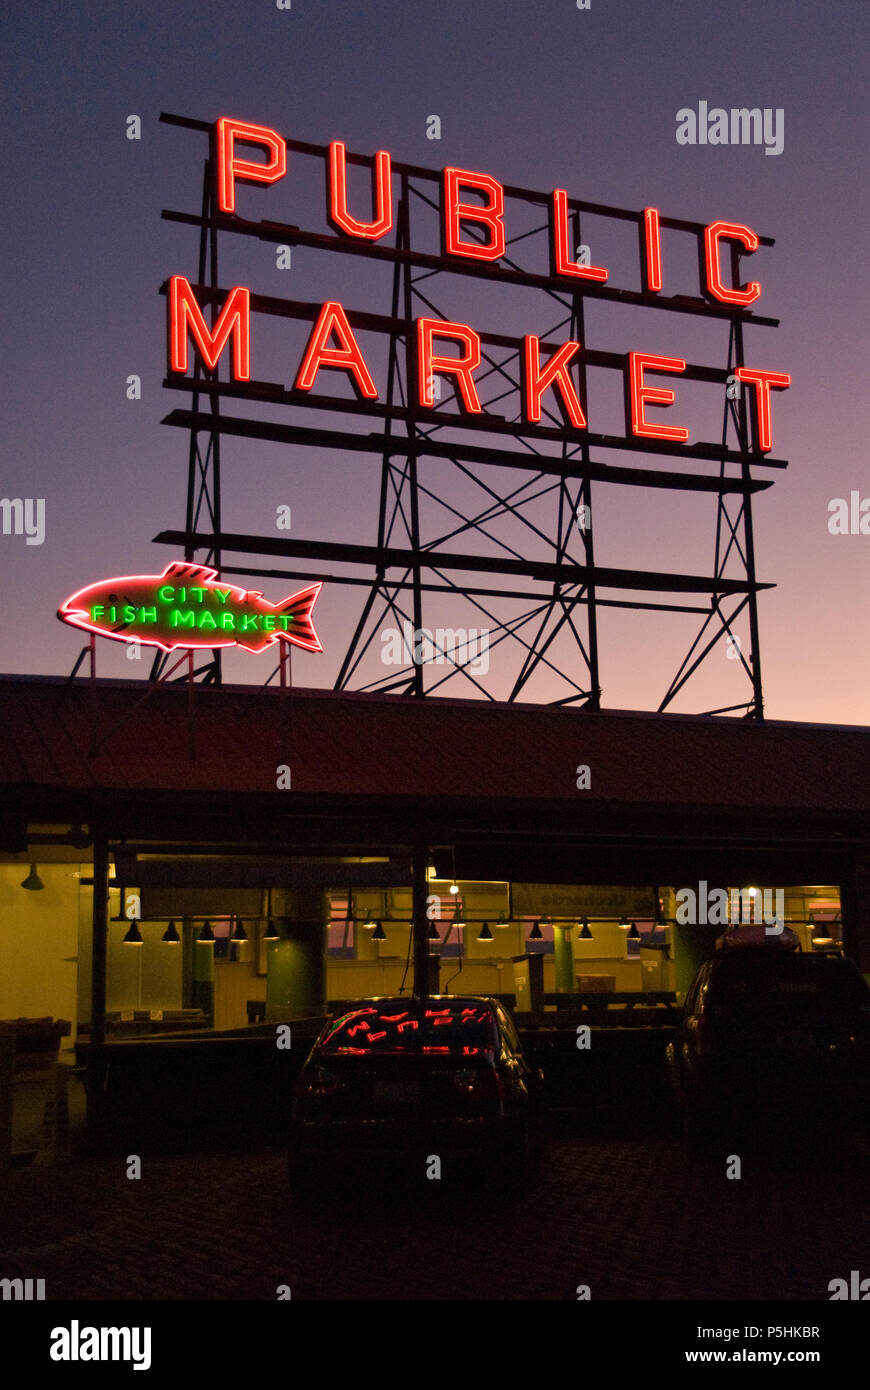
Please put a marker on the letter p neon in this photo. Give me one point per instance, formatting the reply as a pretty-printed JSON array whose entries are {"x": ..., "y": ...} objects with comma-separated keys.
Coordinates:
[{"x": 230, "y": 167}]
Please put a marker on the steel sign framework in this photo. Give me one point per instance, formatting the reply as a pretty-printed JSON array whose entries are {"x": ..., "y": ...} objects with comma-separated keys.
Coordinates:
[{"x": 516, "y": 431}]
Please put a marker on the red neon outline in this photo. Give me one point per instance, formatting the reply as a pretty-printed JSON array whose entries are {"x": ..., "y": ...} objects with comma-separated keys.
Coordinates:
[
  {"x": 79, "y": 616},
  {"x": 185, "y": 316},
  {"x": 345, "y": 1018},
  {"x": 560, "y": 259},
  {"x": 455, "y": 212},
  {"x": 461, "y": 367},
  {"x": 337, "y": 213},
  {"x": 764, "y": 382},
  {"x": 725, "y": 293},
  {"x": 555, "y": 374},
  {"x": 639, "y": 394},
  {"x": 229, "y": 168},
  {"x": 652, "y": 239},
  {"x": 348, "y": 357}
]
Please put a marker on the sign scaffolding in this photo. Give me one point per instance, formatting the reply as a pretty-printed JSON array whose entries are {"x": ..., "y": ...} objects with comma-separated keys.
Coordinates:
[{"x": 487, "y": 440}]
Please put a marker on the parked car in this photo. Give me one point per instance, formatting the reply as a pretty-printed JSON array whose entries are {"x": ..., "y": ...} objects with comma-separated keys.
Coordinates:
[
  {"x": 771, "y": 1034},
  {"x": 407, "y": 1078}
]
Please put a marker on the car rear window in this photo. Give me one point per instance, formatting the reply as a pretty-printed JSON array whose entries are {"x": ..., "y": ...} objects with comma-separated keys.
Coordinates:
[{"x": 462, "y": 1028}]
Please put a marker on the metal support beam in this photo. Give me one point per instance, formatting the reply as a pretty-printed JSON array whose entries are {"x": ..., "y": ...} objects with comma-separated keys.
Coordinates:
[{"x": 659, "y": 581}]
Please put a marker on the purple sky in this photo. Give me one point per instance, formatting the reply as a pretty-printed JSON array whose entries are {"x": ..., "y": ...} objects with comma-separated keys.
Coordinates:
[{"x": 538, "y": 96}]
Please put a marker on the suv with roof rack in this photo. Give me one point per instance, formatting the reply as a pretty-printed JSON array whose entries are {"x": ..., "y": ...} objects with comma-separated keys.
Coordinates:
[{"x": 769, "y": 1032}]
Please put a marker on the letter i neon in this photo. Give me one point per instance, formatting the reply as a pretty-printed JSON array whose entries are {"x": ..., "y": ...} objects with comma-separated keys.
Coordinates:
[{"x": 652, "y": 259}]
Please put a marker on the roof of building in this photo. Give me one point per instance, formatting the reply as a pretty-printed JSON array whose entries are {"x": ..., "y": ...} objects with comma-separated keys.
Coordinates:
[{"x": 132, "y": 736}]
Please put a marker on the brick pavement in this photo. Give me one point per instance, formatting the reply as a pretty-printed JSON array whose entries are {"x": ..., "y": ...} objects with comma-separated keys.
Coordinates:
[{"x": 630, "y": 1214}]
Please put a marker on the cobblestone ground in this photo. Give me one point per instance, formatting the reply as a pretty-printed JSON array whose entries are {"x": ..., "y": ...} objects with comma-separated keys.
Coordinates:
[{"x": 629, "y": 1214}]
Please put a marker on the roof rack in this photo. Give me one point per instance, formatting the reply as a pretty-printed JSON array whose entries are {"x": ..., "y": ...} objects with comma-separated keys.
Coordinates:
[{"x": 755, "y": 936}]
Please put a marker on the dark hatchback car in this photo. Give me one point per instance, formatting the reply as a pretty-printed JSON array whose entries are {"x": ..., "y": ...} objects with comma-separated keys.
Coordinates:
[
  {"x": 771, "y": 1035},
  {"x": 406, "y": 1078}
]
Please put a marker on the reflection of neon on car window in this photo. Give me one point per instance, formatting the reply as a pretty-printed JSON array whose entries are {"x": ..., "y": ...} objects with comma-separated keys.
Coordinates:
[
  {"x": 345, "y": 1018},
  {"x": 373, "y": 1037},
  {"x": 359, "y": 1026},
  {"x": 409, "y": 1023},
  {"x": 394, "y": 1018},
  {"x": 437, "y": 1049}
]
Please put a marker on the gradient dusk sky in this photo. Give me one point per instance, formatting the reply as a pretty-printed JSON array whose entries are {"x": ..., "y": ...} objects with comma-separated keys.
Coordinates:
[{"x": 540, "y": 95}]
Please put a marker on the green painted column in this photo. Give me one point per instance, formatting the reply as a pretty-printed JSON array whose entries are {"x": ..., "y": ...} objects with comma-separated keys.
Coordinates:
[
  {"x": 563, "y": 959},
  {"x": 692, "y": 944},
  {"x": 296, "y": 965}
]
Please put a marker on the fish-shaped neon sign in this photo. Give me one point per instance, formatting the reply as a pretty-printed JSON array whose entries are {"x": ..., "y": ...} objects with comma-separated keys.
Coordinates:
[{"x": 188, "y": 606}]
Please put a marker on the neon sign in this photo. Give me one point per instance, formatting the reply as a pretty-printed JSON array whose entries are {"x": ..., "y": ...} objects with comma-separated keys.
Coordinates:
[
  {"x": 490, "y": 216},
  {"x": 473, "y": 228},
  {"x": 187, "y": 606},
  {"x": 639, "y": 394}
]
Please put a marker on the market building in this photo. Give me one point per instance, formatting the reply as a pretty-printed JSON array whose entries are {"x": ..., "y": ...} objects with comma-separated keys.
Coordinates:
[{"x": 127, "y": 807}]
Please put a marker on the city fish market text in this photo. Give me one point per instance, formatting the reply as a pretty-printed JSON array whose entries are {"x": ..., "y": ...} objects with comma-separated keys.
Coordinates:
[{"x": 184, "y": 607}]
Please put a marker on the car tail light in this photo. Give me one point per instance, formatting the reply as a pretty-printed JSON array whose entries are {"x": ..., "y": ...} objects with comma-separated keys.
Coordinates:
[
  {"x": 317, "y": 1083},
  {"x": 479, "y": 1083},
  {"x": 848, "y": 1036},
  {"x": 703, "y": 1034}
]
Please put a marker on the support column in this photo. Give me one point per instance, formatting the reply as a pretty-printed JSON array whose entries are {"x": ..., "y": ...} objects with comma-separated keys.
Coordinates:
[
  {"x": 202, "y": 977},
  {"x": 563, "y": 959},
  {"x": 296, "y": 964},
  {"x": 693, "y": 943},
  {"x": 99, "y": 951},
  {"x": 855, "y": 911},
  {"x": 99, "y": 947},
  {"x": 420, "y": 924}
]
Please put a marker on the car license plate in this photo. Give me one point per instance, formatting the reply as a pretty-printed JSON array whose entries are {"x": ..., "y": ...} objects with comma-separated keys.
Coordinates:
[
  {"x": 395, "y": 1092},
  {"x": 794, "y": 1039}
]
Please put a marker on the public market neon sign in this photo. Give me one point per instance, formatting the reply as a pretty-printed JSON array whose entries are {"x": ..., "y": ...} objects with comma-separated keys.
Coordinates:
[
  {"x": 188, "y": 606},
  {"x": 442, "y": 347}
]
